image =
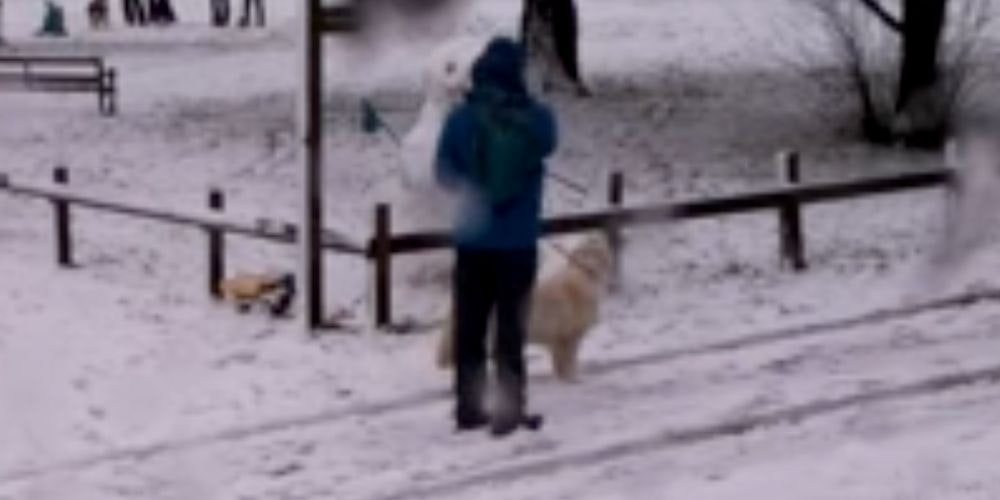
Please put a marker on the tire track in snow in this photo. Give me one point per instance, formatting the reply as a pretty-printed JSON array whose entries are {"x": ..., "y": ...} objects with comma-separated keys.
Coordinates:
[
  {"x": 688, "y": 395},
  {"x": 693, "y": 392},
  {"x": 811, "y": 330},
  {"x": 678, "y": 438},
  {"x": 146, "y": 452},
  {"x": 427, "y": 398}
]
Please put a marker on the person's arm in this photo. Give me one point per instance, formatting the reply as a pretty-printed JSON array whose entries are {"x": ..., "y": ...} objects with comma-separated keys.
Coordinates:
[
  {"x": 547, "y": 131},
  {"x": 448, "y": 168}
]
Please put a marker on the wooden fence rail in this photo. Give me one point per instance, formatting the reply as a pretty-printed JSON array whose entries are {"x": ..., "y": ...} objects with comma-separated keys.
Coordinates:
[
  {"x": 285, "y": 234},
  {"x": 698, "y": 209},
  {"x": 214, "y": 225},
  {"x": 786, "y": 200}
]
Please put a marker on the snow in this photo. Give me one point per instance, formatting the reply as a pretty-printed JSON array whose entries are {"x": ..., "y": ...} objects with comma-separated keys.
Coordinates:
[{"x": 120, "y": 379}]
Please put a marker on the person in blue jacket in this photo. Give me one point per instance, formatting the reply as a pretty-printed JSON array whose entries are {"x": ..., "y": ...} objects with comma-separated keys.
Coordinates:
[{"x": 491, "y": 154}]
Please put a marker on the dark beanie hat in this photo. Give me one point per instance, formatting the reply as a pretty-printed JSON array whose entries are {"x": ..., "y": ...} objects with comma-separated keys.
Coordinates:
[{"x": 501, "y": 65}]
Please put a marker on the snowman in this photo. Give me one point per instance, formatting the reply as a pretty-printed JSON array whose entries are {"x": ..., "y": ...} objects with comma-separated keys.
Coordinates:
[
  {"x": 446, "y": 80},
  {"x": 420, "y": 203}
]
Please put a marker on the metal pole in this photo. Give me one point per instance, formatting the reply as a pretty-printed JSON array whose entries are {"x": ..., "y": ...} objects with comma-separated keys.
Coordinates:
[{"x": 311, "y": 156}]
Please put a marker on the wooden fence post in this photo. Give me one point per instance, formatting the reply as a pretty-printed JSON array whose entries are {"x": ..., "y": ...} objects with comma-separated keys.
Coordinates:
[
  {"x": 64, "y": 244},
  {"x": 792, "y": 241},
  {"x": 616, "y": 194},
  {"x": 109, "y": 86},
  {"x": 383, "y": 266},
  {"x": 216, "y": 246}
]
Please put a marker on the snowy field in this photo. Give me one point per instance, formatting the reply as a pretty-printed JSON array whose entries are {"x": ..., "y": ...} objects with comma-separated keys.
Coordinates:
[{"x": 714, "y": 374}]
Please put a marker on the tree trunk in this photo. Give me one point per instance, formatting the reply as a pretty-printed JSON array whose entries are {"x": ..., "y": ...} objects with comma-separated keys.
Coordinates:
[{"x": 923, "y": 25}]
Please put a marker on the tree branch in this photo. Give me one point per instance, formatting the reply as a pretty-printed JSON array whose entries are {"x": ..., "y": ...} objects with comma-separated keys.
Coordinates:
[{"x": 880, "y": 12}]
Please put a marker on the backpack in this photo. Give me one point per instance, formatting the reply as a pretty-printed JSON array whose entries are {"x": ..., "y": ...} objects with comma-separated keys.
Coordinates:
[{"x": 507, "y": 152}]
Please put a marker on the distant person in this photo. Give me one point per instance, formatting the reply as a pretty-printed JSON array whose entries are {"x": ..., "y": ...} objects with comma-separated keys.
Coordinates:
[
  {"x": 97, "y": 14},
  {"x": 161, "y": 12},
  {"x": 252, "y": 8},
  {"x": 1, "y": 23},
  {"x": 54, "y": 20},
  {"x": 491, "y": 155},
  {"x": 134, "y": 12},
  {"x": 220, "y": 12},
  {"x": 550, "y": 32}
]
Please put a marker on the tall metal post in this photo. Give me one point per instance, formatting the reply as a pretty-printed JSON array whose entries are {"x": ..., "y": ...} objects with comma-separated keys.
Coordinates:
[{"x": 311, "y": 156}]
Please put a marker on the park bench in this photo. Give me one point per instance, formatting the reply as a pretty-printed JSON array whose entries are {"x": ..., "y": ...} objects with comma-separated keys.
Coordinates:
[{"x": 71, "y": 74}]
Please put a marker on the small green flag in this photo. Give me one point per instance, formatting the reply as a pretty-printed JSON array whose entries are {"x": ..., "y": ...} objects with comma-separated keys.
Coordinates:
[{"x": 372, "y": 122}]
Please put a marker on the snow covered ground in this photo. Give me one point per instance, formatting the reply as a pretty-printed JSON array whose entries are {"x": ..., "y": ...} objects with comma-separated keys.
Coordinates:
[{"x": 713, "y": 374}]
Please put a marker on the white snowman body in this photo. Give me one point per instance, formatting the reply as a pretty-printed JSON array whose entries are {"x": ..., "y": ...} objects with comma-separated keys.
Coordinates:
[{"x": 446, "y": 81}]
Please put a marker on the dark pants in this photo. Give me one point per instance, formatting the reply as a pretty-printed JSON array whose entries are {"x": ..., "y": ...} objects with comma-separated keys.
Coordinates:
[
  {"x": 220, "y": 12},
  {"x": 135, "y": 12},
  {"x": 161, "y": 12},
  {"x": 497, "y": 283},
  {"x": 558, "y": 21},
  {"x": 257, "y": 8}
]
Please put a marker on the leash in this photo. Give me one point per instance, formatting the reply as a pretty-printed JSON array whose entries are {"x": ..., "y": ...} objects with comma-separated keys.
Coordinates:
[
  {"x": 573, "y": 261},
  {"x": 567, "y": 182},
  {"x": 371, "y": 122}
]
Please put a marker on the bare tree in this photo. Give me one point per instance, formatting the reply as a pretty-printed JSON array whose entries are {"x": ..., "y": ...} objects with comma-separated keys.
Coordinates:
[
  {"x": 909, "y": 70},
  {"x": 922, "y": 30},
  {"x": 550, "y": 31}
]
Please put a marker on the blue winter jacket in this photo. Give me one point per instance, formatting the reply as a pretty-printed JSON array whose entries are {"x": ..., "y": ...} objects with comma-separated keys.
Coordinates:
[{"x": 498, "y": 83}]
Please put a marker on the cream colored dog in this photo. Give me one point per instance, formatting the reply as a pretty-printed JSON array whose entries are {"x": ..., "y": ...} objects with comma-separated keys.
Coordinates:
[{"x": 564, "y": 304}]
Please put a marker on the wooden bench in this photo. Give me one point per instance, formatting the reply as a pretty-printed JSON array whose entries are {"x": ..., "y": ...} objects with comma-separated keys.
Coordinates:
[{"x": 74, "y": 74}]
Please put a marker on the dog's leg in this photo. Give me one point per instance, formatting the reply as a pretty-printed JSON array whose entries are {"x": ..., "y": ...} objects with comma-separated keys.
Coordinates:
[
  {"x": 446, "y": 348},
  {"x": 564, "y": 359},
  {"x": 282, "y": 302},
  {"x": 572, "y": 361}
]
